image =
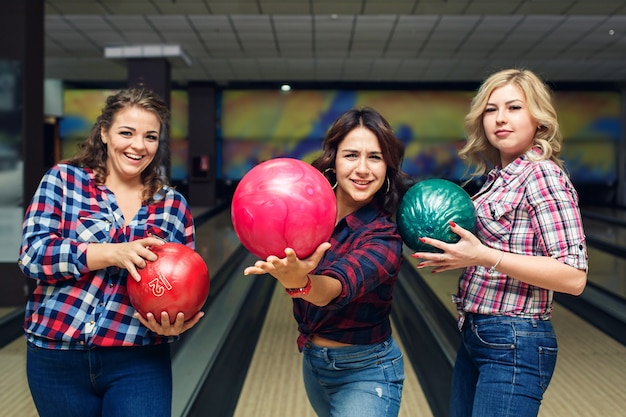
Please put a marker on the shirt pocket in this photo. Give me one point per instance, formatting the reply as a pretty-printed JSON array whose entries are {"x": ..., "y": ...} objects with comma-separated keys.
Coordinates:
[
  {"x": 152, "y": 230},
  {"x": 93, "y": 227},
  {"x": 496, "y": 220}
]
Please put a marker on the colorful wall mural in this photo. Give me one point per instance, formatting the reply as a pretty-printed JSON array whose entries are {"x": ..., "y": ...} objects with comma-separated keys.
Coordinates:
[
  {"x": 256, "y": 125},
  {"x": 262, "y": 124}
]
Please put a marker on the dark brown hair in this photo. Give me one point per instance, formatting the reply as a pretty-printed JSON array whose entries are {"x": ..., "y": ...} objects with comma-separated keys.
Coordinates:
[{"x": 392, "y": 150}]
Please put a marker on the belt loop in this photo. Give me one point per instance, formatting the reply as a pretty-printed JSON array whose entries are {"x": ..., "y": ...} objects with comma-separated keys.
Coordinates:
[
  {"x": 325, "y": 353},
  {"x": 533, "y": 321}
]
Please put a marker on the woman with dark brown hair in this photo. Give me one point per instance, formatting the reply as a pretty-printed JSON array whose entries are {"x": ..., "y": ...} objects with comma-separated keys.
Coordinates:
[{"x": 342, "y": 293}]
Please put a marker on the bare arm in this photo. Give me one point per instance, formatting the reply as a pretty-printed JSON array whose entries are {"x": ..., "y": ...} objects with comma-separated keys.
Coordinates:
[
  {"x": 292, "y": 272},
  {"x": 540, "y": 271}
]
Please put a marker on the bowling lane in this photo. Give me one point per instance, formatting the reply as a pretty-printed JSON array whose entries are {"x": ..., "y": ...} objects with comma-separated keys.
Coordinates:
[
  {"x": 611, "y": 270},
  {"x": 273, "y": 385},
  {"x": 215, "y": 241},
  {"x": 616, "y": 213},
  {"x": 215, "y": 238}
]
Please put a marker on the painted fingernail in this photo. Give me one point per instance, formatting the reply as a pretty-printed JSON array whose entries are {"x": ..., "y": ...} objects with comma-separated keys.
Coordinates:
[
  {"x": 421, "y": 239},
  {"x": 453, "y": 224}
]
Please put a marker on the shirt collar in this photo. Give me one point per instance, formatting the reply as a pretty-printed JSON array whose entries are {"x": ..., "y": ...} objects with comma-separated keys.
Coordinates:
[
  {"x": 514, "y": 168},
  {"x": 364, "y": 215}
]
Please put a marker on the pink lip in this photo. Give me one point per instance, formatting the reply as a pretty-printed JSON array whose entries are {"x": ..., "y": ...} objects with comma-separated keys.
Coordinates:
[
  {"x": 502, "y": 133},
  {"x": 358, "y": 185},
  {"x": 132, "y": 160}
]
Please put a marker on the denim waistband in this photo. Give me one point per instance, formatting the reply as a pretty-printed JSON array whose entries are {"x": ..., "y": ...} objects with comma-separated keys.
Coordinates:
[
  {"x": 345, "y": 352},
  {"x": 473, "y": 318}
]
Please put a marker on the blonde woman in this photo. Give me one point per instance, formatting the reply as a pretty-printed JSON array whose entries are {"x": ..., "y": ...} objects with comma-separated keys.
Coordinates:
[{"x": 529, "y": 243}]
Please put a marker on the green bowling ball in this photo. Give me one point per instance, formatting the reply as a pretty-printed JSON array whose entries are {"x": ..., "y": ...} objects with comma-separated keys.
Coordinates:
[{"x": 426, "y": 210}]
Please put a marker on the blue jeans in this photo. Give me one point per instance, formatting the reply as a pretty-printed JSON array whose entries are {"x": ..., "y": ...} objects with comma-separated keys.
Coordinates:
[
  {"x": 354, "y": 381},
  {"x": 503, "y": 367},
  {"x": 101, "y": 382}
]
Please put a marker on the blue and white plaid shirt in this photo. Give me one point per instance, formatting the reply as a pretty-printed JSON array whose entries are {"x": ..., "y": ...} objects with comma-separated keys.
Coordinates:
[{"x": 73, "y": 307}]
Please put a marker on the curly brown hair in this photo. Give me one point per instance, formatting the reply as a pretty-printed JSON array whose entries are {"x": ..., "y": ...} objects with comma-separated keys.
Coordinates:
[{"x": 93, "y": 152}]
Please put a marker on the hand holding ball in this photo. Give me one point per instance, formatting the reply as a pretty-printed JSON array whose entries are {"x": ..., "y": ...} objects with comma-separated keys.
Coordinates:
[
  {"x": 427, "y": 209},
  {"x": 283, "y": 203},
  {"x": 178, "y": 281}
]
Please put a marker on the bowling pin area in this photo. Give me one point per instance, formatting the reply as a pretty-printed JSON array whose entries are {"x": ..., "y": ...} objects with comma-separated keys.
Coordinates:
[{"x": 242, "y": 360}]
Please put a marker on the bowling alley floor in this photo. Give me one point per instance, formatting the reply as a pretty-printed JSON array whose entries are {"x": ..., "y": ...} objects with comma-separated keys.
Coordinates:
[
  {"x": 274, "y": 387},
  {"x": 589, "y": 379},
  {"x": 590, "y": 374}
]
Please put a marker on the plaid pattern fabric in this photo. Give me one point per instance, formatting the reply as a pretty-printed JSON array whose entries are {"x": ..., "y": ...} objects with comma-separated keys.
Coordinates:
[
  {"x": 365, "y": 256},
  {"x": 528, "y": 208},
  {"x": 73, "y": 307}
]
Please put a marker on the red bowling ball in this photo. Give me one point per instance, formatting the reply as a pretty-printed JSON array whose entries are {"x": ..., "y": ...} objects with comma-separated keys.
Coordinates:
[
  {"x": 178, "y": 281},
  {"x": 283, "y": 203}
]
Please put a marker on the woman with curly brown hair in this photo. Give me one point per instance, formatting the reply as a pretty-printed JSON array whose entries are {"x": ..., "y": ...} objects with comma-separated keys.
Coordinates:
[{"x": 88, "y": 229}]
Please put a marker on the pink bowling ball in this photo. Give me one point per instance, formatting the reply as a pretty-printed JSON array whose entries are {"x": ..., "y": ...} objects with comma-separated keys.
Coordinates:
[{"x": 283, "y": 203}]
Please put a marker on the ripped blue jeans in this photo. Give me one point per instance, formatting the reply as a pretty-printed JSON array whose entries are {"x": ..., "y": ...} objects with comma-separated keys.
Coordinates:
[{"x": 354, "y": 381}]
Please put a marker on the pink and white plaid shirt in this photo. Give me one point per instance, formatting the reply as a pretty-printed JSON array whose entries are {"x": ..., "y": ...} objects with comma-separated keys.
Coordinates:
[{"x": 528, "y": 208}]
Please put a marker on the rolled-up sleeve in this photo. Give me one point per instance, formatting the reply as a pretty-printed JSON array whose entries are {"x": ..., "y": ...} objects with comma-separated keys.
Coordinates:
[
  {"x": 45, "y": 254},
  {"x": 557, "y": 219}
]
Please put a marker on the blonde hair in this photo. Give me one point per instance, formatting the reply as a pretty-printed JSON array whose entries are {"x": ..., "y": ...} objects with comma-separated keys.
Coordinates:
[{"x": 548, "y": 139}]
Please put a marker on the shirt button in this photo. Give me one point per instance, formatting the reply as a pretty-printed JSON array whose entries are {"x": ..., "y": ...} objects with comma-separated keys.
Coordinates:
[{"x": 90, "y": 326}]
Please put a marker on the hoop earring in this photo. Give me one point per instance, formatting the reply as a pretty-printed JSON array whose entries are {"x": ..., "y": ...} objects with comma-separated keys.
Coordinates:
[
  {"x": 388, "y": 185},
  {"x": 326, "y": 171}
]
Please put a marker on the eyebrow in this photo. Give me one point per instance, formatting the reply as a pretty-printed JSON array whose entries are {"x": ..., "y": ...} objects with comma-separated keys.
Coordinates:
[
  {"x": 507, "y": 102},
  {"x": 134, "y": 130},
  {"x": 357, "y": 151}
]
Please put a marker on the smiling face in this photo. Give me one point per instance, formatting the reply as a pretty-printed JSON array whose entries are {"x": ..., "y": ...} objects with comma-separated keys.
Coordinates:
[
  {"x": 508, "y": 124},
  {"x": 132, "y": 142},
  {"x": 360, "y": 170}
]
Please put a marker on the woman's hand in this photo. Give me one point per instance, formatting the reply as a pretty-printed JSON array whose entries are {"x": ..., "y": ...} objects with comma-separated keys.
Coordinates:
[
  {"x": 290, "y": 270},
  {"x": 466, "y": 252},
  {"x": 128, "y": 255},
  {"x": 541, "y": 271},
  {"x": 167, "y": 328}
]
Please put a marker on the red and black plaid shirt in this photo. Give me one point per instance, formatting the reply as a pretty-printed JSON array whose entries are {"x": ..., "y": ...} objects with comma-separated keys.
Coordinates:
[{"x": 365, "y": 256}]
